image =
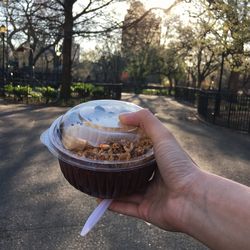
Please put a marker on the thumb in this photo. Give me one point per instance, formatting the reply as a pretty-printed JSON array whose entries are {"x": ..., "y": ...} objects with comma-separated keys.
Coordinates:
[{"x": 146, "y": 121}]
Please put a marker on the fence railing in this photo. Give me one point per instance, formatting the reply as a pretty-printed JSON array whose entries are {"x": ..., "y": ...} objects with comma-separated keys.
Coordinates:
[
  {"x": 186, "y": 94},
  {"x": 224, "y": 109},
  {"x": 32, "y": 90}
]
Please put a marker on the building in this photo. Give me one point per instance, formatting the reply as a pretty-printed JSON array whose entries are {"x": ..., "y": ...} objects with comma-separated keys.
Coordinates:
[{"x": 141, "y": 28}]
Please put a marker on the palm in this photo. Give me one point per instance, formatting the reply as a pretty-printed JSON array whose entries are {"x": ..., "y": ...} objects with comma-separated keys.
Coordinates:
[
  {"x": 163, "y": 203},
  {"x": 152, "y": 206}
]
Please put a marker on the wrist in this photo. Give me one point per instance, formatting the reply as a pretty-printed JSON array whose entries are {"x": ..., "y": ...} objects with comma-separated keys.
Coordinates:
[
  {"x": 217, "y": 212},
  {"x": 192, "y": 199},
  {"x": 180, "y": 200}
]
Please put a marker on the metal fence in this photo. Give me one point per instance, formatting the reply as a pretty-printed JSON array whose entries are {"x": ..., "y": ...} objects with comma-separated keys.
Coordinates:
[
  {"x": 224, "y": 109},
  {"x": 31, "y": 90},
  {"x": 186, "y": 94}
]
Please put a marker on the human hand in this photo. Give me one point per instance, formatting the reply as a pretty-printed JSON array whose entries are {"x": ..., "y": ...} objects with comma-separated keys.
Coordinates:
[
  {"x": 164, "y": 203},
  {"x": 181, "y": 197}
]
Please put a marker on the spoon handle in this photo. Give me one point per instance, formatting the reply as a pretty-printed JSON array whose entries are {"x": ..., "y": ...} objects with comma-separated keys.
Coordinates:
[{"x": 95, "y": 216}]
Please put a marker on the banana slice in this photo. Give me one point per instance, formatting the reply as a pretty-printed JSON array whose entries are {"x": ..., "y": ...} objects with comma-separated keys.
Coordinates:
[{"x": 71, "y": 140}]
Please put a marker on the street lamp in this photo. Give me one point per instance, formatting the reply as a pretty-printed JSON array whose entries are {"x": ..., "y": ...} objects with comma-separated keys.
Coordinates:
[
  {"x": 190, "y": 65},
  {"x": 58, "y": 51},
  {"x": 3, "y": 30},
  {"x": 223, "y": 57}
]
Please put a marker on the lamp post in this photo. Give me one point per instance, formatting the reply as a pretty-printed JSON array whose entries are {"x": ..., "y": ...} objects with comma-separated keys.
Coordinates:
[
  {"x": 58, "y": 50},
  {"x": 31, "y": 67},
  {"x": 189, "y": 64},
  {"x": 218, "y": 95},
  {"x": 3, "y": 30},
  {"x": 223, "y": 57}
]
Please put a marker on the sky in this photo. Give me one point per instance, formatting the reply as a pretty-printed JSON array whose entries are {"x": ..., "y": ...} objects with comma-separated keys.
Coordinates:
[
  {"x": 121, "y": 8},
  {"x": 157, "y": 3}
]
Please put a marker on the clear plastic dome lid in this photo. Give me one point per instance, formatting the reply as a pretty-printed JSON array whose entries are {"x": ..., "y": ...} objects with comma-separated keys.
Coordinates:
[
  {"x": 91, "y": 133},
  {"x": 96, "y": 122}
]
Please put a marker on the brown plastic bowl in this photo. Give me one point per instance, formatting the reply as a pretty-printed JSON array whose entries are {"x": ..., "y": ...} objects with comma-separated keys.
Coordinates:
[
  {"x": 103, "y": 179},
  {"x": 108, "y": 184}
]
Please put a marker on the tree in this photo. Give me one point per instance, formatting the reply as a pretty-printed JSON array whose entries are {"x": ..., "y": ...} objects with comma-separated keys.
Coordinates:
[
  {"x": 110, "y": 64},
  {"x": 232, "y": 17},
  {"x": 193, "y": 49},
  {"x": 29, "y": 26},
  {"x": 49, "y": 21},
  {"x": 205, "y": 54},
  {"x": 141, "y": 32},
  {"x": 82, "y": 23}
]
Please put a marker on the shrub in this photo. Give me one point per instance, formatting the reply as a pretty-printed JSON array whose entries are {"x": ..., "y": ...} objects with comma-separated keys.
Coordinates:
[
  {"x": 49, "y": 93},
  {"x": 98, "y": 92},
  {"x": 82, "y": 89},
  {"x": 35, "y": 94},
  {"x": 21, "y": 91},
  {"x": 9, "y": 89},
  {"x": 163, "y": 92}
]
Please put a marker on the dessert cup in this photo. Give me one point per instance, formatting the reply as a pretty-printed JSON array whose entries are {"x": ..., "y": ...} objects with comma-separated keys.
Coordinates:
[{"x": 95, "y": 123}]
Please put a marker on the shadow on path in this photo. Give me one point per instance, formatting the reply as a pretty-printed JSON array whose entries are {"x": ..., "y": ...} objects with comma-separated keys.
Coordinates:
[{"x": 40, "y": 210}]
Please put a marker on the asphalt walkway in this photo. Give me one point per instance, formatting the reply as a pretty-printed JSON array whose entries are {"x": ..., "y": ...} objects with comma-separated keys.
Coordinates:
[{"x": 40, "y": 210}]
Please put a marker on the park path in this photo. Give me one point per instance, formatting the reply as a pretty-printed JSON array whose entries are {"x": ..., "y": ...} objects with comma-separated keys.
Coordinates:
[
  {"x": 219, "y": 150},
  {"x": 40, "y": 210}
]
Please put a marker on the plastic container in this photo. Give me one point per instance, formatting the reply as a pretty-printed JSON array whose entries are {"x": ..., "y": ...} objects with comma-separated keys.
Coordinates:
[{"x": 91, "y": 124}]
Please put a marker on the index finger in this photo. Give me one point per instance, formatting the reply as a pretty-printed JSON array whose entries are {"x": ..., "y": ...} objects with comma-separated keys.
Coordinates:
[{"x": 146, "y": 121}]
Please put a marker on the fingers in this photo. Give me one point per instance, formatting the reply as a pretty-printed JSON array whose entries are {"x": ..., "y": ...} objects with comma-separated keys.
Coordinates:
[
  {"x": 130, "y": 209},
  {"x": 127, "y": 205},
  {"x": 134, "y": 198},
  {"x": 148, "y": 122}
]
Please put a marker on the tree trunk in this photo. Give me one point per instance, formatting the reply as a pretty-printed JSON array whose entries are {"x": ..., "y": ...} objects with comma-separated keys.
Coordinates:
[
  {"x": 66, "y": 50},
  {"x": 170, "y": 85},
  {"x": 200, "y": 79},
  {"x": 233, "y": 81}
]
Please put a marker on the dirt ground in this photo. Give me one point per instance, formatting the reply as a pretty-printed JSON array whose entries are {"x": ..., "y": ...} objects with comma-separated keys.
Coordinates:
[{"x": 40, "y": 210}]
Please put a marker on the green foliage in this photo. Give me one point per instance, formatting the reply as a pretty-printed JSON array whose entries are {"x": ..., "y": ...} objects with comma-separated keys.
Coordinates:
[
  {"x": 82, "y": 89},
  {"x": 25, "y": 91},
  {"x": 49, "y": 93},
  {"x": 98, "y": 92},
  {"x": 9, "y": 89},
  {"x": 22, "y": 91},
  {"x": 163, "y": 92},
  {"x": 19, "y": 91},
  {"x": 35, "y": 94},
  {"x": 88, "y": 90}
]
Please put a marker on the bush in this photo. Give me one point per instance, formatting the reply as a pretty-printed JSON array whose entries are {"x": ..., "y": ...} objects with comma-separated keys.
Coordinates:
[
  {"x": 82, "y": 89},
  {"x": 98, "y": 92},
  {"x": 86, "y": 91},
  {"x": 163, "y": 92},
  {"x": 49, "y": 93},
  {"x": 21, "y": 91},
  {"x": 9, "y": 89},
  {"x": 35, "y": 94}
]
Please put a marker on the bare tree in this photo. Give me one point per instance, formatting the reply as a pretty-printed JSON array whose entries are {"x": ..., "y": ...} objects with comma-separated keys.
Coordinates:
[
  {"x": 139, "y": 36},
  {"x": 29, "y": 26},
  {"x": 233, "y": 17},
  {"x": 87, "y": 21}
]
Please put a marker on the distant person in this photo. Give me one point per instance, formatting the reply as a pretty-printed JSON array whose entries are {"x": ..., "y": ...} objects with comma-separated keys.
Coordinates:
[{"x": 184, "y": 198}]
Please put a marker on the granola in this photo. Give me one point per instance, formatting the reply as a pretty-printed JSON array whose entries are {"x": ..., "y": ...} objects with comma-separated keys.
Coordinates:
[{"x": 122, "y": 150}]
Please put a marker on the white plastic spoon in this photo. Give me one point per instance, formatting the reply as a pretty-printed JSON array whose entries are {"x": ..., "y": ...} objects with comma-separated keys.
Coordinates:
[{"x": 95, "y": 216}]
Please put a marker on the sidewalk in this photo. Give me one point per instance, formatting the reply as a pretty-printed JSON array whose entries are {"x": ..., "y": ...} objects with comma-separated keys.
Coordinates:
[{"x": 40, "y": 210}]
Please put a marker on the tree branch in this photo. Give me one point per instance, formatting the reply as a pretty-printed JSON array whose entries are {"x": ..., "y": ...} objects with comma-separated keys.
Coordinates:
[{"x": 86, "y": 11}]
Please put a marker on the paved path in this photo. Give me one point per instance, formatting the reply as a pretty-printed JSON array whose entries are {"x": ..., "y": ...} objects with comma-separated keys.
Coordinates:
[{"x": 40, "y": 210}]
